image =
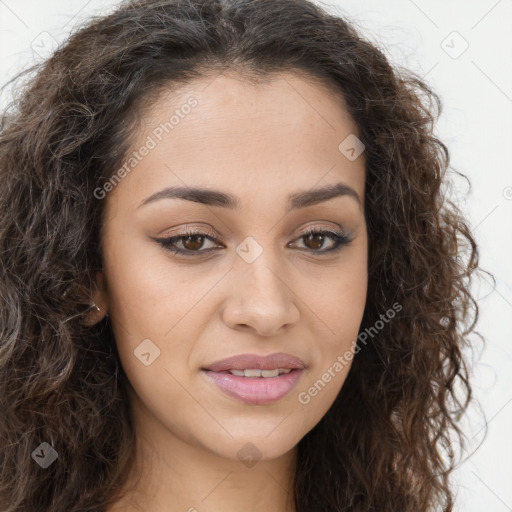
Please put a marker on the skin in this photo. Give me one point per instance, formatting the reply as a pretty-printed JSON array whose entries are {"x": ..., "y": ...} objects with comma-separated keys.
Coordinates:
[{"x": 260, "y": 143}]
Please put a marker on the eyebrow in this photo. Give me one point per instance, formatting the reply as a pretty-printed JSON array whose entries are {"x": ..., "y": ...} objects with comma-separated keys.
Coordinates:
[{"x": 212, "y": 197}]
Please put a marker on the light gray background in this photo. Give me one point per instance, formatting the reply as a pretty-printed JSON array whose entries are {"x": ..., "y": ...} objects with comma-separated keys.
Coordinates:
[{"x": 464, "y": 51}]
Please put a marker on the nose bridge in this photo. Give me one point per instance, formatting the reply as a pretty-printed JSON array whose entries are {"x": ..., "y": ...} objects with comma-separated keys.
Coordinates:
[
  {"x": 262, "y": 298},
  {"x": 260, "y": 267}
]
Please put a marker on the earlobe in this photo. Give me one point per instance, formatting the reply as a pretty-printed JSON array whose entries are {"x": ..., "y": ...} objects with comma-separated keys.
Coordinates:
[{"x": 99, "y": 303}]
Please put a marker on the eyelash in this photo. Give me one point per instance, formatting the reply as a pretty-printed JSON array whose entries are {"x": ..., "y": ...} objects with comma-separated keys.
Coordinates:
[{"x": 167, "y": 243}]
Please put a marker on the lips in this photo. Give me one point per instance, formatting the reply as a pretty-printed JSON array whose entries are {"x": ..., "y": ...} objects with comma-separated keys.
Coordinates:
[
  {"x": 254, "y": 361},
  {"x": 254, "y": 388}
]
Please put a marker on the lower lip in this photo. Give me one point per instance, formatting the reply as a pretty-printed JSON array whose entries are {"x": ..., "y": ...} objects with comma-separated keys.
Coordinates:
[{"x": 255, "y": 390}]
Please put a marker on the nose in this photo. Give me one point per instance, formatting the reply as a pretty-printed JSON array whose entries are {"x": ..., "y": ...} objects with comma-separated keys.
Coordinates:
[{"x": 260, "y": 298}]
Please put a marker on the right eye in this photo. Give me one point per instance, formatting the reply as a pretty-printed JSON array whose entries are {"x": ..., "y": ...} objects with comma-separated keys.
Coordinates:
[{"x": 193, "y": 239}]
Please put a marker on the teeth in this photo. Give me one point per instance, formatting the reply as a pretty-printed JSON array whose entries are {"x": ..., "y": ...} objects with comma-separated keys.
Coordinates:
[
  {"x": 270, "y": 373},
  {"x": 260, "y": 373},
  {"x": 252, "y": 373}
]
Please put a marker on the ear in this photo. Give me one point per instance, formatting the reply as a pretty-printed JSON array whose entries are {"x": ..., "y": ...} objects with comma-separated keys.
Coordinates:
[{"x": 99, "y": 297}]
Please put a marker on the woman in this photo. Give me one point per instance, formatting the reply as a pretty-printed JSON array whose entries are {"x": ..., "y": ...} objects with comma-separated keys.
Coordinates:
[{"x": 230, "y": 280}]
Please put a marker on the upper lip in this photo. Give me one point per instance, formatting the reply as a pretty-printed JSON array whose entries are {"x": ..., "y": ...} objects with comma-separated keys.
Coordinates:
[{"x": 254, "y": 361}]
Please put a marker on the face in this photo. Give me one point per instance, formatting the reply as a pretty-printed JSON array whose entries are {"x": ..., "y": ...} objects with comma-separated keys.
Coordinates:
[{"x": 249, "y": 278}]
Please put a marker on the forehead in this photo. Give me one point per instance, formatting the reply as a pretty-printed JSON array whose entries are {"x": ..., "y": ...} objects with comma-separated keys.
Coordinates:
[
  {"x": 224, "y": 131},
  {"x": 287, "y": 101}
]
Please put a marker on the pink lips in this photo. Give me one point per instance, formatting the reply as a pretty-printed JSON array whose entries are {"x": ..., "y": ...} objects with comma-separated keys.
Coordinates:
[{"x": 256, "y": 390}]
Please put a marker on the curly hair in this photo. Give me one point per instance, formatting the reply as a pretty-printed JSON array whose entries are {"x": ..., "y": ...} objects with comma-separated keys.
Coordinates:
[{"x": 380, "y": 445}]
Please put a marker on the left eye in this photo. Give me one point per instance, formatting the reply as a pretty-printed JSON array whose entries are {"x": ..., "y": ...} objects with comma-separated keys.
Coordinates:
[{"x": 192, "y": 241}]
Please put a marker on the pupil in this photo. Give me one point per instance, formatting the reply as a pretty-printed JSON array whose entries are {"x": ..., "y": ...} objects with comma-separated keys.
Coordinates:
[
  {"x": 317, "y": 236},
  {"x": 194, "y": 246}
]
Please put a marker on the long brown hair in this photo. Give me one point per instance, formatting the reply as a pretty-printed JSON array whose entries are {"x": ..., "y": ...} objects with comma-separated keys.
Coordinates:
[{"x": 67, "y": 131}]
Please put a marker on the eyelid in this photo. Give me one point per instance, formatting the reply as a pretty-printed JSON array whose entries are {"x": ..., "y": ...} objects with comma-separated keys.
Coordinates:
[
  {"x": 336, "y": 234},
  {"x": 208, "y": 232}
]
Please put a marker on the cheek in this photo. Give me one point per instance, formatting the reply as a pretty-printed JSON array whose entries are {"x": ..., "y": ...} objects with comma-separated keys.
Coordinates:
[
  {"x": 147, "y": 294},
  {"x": 148, "y": 306},
  {"x": 338, "y": 305},
  {"x": 338, "y": 315},
  {"x": 334, "y": 356},
  {"x": 335, "y": 295}
]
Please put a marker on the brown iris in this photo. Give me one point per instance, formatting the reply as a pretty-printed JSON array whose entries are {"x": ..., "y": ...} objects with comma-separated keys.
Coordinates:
[
  {"x": 193, "y": 246},
  {"x": 316, "y": 237}
]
